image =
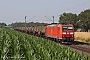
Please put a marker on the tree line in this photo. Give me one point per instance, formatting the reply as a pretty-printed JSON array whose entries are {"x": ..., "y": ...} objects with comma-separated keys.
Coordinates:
[
  {"x": 2, "y": 25},
  {"x": 23, "y": 24},
  {"x": 81, "y": 20}
]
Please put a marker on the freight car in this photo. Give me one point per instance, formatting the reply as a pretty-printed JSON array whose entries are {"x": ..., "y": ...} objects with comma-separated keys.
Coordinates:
[{"x": 60, "y": 32}]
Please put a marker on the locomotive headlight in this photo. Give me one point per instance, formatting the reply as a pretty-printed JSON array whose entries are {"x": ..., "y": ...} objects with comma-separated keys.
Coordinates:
[
  {"x": 71, "y": 33},
  {"x": 64, "y": 32}
]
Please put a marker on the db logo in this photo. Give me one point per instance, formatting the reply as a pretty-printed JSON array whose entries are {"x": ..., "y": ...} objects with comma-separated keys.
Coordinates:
[{"x": 67, "y": 32}]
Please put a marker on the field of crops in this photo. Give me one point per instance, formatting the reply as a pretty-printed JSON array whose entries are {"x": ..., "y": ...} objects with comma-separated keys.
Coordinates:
[
  {"x": 20, "y": 46},
  {"x": 82, "y": 36}
]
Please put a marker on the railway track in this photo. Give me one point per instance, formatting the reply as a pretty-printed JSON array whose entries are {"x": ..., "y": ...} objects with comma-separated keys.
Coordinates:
[
  {"x": 77, "y": 46},
  {"x": 83, "y": 49},
  {"x": 80, "y": 50},
  {"x": 80, "y": 47}
]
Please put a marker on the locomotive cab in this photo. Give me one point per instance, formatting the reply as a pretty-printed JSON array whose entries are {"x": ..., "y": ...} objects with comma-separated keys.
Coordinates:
[{"x": 67, "y": 33}]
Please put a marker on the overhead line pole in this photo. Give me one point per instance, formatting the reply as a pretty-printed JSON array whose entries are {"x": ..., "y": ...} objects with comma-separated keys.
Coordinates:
[
  {"x": 53, "y": 19},
  {"x": 25, "y": 23}
]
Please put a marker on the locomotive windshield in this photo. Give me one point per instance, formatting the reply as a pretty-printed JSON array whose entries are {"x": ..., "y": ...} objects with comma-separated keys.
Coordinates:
[
  {"x": 70, "y": 28},
  {"x": 67, "y": 28}
]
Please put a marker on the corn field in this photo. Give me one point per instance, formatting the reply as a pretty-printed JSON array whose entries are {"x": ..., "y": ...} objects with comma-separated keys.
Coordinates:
[{"x": 15, "y": 45}]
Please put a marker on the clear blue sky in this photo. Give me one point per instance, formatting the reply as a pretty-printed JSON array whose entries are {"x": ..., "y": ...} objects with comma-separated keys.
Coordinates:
[{"x": 15, "y": 10}]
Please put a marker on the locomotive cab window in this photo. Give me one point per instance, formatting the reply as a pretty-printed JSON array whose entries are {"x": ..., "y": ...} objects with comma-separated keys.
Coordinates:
[
  {"x": 64, "y": 28},
  {"x": 67, "y": 28},
  {"x": 70, "y": 28}
]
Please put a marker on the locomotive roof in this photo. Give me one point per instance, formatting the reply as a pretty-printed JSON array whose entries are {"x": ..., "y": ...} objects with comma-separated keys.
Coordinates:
[
  {"x": 58, "y": 24},
  {"x": 53, "y": 25}
]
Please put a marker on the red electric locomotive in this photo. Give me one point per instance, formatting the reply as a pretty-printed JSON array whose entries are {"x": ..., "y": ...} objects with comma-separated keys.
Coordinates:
[{"x": 62, "y": 32}]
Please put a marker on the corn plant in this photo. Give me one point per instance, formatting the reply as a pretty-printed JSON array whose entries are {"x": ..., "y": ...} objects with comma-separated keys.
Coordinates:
[{"x": 15, "y": 45}]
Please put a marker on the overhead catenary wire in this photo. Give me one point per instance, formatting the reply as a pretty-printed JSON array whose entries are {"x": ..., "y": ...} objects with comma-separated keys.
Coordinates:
[
  {"x": 60, "y": 13},
  {"x": 57, "y": 14},
  {"x": 79, "y": 5},
  {"x": 30, "y": 19}
]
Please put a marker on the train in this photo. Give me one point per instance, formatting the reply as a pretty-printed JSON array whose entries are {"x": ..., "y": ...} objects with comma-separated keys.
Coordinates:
[{"x": 60, "y": 32}]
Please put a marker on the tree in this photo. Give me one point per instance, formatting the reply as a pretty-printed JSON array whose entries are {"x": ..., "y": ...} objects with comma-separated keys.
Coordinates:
[
  {"x": 68, "y": 18},
  {"x": 2, "y": 25},
  {"x": 84, "y": 18}
]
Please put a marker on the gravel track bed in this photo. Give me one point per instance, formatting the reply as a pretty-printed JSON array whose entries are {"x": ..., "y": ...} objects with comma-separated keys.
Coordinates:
[{"x": 80, "y": 47}]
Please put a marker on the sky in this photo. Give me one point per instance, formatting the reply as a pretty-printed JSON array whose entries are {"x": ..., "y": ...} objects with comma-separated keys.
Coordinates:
[{"x": 12, "y": 11}]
